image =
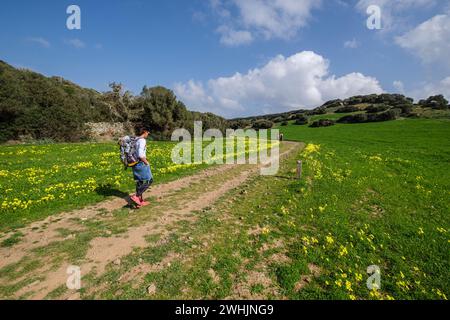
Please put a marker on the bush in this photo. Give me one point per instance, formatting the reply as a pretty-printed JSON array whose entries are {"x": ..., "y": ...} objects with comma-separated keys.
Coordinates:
[
  {"x": 406, "y": 109},
  {"x": 378, "y": 117},
  {"x": 388, "y": 99},
  {"x": 39, "y": 108},
  {"x": 277, "y": 119},
  {"x": 322, "y": 123},
  {"x": 284, "y": 123},
  {"x": 393, "y": 99},
  {"x": 355, "y": 118},
  {"x": 389, "y": 115},
  {"x": 238, "y": 124},
  {"x": 299, "y": 116},
  {"x": 376, "y": 108},
  {"x": 333, "y": 104},
  {"x": 302, "y": 120},
  {"x": 262, "y": 124},
  {"x": 318, "y": 111},
  {"x": 435, "y": 102},
  {"x": 354, "y": 100}
]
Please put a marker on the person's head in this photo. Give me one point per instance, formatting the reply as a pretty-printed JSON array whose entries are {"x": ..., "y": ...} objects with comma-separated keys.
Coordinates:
[{"x": 144, "y": 132}]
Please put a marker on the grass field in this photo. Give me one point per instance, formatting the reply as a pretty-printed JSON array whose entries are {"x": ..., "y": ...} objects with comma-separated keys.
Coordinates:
[
  {"x": 375, "y": 194},
  {"x": 371, "y": 194},
  {"x": 39, "y": 180}
]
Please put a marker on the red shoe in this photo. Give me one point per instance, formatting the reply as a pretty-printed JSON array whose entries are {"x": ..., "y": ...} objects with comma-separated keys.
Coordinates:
[
  {"x": 143, "y": 202},
  {"x": 136, "y": 200}
]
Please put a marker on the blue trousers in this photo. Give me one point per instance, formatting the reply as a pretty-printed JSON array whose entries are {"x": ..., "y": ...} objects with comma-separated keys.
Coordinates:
[{"x": 142, "y": 174}]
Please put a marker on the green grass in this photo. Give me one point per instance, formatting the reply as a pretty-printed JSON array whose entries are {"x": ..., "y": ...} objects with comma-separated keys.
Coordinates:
[
  {"x": 12, "y": 240},
  {"x": 381, "y": 192},
  {"x": 371, "y": 194},
  {"x": 38, "y": 181}
]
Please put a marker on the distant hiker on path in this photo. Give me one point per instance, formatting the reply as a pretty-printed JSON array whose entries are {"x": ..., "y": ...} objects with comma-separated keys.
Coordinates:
[{"x": 141, "y": 171}]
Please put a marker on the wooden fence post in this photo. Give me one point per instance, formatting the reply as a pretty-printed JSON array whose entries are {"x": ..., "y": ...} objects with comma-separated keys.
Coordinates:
[{"x": 299, "y": 169}]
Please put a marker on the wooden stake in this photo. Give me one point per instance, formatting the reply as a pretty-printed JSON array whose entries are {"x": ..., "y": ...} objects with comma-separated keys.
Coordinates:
[{"x": 299, "y": 169}]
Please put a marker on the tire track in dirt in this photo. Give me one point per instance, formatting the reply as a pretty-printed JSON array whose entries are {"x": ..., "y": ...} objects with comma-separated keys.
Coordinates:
[
  {"x": 105, "y": 250},
  {"x": 44, "y": 232}
]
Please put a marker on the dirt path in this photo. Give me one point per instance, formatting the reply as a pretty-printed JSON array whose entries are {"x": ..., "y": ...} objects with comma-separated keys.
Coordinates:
[
  {"x": 100, "y": 235},
  {"x": 44, "y": 232}
]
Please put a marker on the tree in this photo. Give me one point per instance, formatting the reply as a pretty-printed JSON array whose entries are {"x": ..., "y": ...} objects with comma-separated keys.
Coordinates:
[
  {"x": 322, "y": 123},
  {"x": 119, "y": 103},
  {"x": 435, "y": 102},
  {"x": 162, "y": 112},
  {"x": 262, "y": 124},
  {"x": 301, "y": 120},
  {"x": 347, "y": 109}
]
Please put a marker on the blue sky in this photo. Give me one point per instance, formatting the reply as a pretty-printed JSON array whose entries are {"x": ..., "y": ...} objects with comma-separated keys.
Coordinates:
[{"x": 236, "y": 57}]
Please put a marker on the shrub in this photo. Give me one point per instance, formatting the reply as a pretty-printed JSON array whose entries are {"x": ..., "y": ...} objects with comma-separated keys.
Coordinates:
[
  {"x": 284, "y": 123},
  {"x": 386, "y": 116},
  {"x": 277, "y": 119},
  {"x": 302, "y": 120},
  {"x": 388, "y": 99},
  {"x": 406, "y": 109},
  {"x": 262, "y": 124},
  {"x": 333, "y": 104},
  {"x": 370, "y": 117},
  {"x": 375, "y": 108},
  {"x": 435, "y": 102},
  {"x": 322, "y": 123},
  {"x": 38, "y": 107},
  {"x": 355, "y": 118},
  {"x": 347, "y": 109},
  {"x": 299, "y": 116},
  {"x": 318, "y": 111},
  {"x": 354, "y": 100}
]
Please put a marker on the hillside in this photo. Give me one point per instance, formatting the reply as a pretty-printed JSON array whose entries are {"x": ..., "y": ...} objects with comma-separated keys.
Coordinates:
[
  {"x": 35, "y": 107},
  {"x": 357, "y": 109}
]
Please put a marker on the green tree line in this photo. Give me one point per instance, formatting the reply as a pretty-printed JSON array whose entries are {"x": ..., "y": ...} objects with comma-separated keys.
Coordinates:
[{"x": 39, "y": 107}]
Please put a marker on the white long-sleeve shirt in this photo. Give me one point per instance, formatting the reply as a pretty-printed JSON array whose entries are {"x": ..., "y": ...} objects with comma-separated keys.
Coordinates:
[{"x": 141, "y": 146}]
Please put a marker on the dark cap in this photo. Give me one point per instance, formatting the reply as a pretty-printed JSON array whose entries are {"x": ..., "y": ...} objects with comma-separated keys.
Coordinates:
[{"x": 144, "y": 129}]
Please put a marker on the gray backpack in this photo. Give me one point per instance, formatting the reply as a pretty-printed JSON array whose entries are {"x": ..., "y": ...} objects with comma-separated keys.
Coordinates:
[{"x": 128, "y": 151}]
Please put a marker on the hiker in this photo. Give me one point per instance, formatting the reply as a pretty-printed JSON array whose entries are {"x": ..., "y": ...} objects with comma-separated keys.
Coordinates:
[{"x": 141, "y": 171}]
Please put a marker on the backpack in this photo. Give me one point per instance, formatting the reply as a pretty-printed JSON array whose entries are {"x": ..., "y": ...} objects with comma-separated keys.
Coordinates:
[{"x": 128, "y": 151}]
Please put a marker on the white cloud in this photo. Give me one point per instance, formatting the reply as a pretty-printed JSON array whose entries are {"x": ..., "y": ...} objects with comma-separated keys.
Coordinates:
[
  {"x": 393, "y": 11},
  {"x": 231, "y": 37},
  {"x": 40, "y": 41},
  {"x": 263, "y": 18},
  {"x": 77, "y": 43},
  {"x": 299, "y": 81},
  {"x": 351, "y": 44},
  {"x": 193, "y": 91},
  {"x": 399, "y": 86},
  {"x": 430, "y": 41},
  {"x": 342, "y": 3},
  {"x": 218, "y": 7}
]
